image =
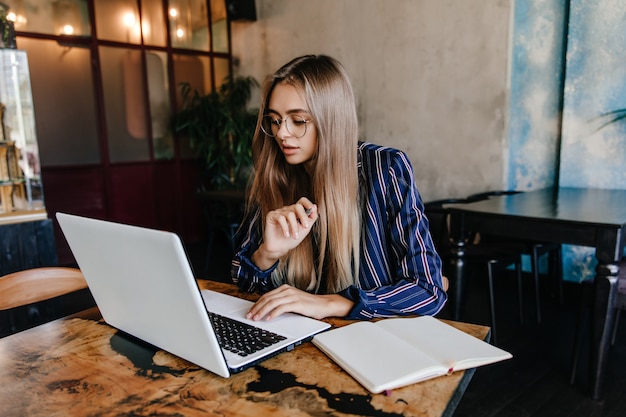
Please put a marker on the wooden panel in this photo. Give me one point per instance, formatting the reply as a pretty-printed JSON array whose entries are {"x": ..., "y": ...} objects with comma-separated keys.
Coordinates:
[
  {"x": 194, "y": 228},
  {"x": 167, "y": 196},
  {"x": 178, "y": 208},
  {"x": 132, "y": 195},
  {"x": 26, "y": 245},
  {"x": 158, "y": 195},
  {"x": 45, "y": 241},
  {"x": 77, "y": 190}
]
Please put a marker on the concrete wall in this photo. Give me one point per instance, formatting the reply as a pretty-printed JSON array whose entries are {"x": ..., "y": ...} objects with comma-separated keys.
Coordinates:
[{"x": 430, "y": 76}]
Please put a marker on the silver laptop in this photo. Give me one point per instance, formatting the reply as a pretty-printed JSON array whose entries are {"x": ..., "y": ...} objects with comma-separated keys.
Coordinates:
[{"x": 143, "y": 285}]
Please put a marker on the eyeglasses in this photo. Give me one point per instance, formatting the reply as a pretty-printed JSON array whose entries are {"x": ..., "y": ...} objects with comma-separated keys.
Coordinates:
[{"x": 296, "y": 125}]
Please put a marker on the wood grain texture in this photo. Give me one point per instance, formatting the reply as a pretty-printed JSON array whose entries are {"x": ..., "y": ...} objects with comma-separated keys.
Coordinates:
[
  {"x": 80, "y": 366},
  {"x": 38, "y": 284},
  {"x": 26, "y": 245}
]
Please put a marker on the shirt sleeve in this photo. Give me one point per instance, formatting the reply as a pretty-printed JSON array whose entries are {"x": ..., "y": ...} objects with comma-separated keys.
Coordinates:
[
  {"x": 400, "y": 272},
  {"x": 244, "y": 272}
]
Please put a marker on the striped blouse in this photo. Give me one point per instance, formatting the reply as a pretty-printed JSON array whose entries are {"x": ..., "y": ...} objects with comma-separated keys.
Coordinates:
[{"x": 400, "y": 271}]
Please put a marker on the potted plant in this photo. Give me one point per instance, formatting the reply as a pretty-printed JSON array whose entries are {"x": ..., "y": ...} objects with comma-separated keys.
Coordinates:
[
  {"x": 611, "y": 117},
  {"x": 220, "y": 127},
  {"x": 7, "y": 30}
]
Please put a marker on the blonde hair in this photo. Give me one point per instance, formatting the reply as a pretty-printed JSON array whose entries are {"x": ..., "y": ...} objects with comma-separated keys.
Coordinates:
[{"x": 328, "y": 258}]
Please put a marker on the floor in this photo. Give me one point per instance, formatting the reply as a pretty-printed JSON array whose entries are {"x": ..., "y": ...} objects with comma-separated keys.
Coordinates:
[{"x": 536, "y": 381}]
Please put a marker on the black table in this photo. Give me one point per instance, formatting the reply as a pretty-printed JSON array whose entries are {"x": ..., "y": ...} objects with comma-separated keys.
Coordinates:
[{"x": 577, "y": 216}]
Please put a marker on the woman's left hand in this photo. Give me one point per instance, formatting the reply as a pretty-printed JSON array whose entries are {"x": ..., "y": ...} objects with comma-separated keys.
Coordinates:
[{"x": 288, "y": 299}]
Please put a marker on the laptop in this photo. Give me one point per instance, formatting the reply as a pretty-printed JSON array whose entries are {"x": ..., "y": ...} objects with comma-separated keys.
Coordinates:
[{"x": 143, "y": 285}]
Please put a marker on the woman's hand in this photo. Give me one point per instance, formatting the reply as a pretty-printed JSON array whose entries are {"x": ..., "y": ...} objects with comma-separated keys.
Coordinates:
[
  {"x": 445, "y": 283},
  {"x": 285, "y": 228},
  {"x": 288, "y": 299}
]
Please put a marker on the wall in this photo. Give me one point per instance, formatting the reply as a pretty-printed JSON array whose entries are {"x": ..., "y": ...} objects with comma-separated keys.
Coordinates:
[
  {"x": 595, "y": 83},
  {"x": 591, "y": 82},
  {"x": 536, "y": 93},
  {"x": 430, "y": 76}
]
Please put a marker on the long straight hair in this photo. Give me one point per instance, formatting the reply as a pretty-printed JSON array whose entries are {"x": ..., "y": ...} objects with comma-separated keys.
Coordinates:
[{"x": 328, "y": 258}]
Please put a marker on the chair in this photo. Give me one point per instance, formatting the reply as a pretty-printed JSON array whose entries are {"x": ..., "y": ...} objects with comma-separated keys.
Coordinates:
[
  {"x": 223, "y": 211},
  {"x": 586, "y": 304},
  {"x": 31, "y": 286},
  {"x": 533, "y": 249},
  {"x": 493, "y": 257}
]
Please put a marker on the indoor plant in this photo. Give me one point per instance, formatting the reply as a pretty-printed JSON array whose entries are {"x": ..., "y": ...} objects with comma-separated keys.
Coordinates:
[
  {"x": 7, "y": 30},
  {"x": 611, "y": 117},
  {"x": 220, "y": 127}
]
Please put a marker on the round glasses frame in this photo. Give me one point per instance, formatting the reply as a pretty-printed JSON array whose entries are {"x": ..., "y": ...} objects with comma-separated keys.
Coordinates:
[{"x": 296, "y": 125}]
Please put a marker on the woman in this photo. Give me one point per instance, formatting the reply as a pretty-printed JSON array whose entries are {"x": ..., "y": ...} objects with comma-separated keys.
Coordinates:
[{"x": 334, "y": 227}]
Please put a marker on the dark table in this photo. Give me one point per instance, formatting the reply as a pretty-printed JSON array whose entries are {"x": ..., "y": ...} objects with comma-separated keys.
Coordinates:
[{"x": 577, "y": 216}]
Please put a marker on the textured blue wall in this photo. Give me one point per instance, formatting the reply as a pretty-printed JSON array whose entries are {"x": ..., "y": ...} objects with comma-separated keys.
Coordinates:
[
  {"x": 595, "y": 83},
  {"x": 536, "y": 79}
]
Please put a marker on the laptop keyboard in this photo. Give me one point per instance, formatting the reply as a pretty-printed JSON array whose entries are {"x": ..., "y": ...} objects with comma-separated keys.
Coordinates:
[{"x": 241, "y": 338}]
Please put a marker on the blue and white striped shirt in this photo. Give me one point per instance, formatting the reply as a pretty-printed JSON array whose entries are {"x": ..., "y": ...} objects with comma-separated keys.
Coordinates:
[{"x": 400, "y": 271}]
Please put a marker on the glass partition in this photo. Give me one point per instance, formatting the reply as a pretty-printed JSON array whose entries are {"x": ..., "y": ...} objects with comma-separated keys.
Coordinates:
[
  {"x": 188, "y": 23},
  {"x": 221, "y": 69},
  {"x": 51, "y": 17},
  {"x": 219, "y": 26},
  {"x": 64, "y": 100},
  {"x": 129, "y": 113},
  {"x": 118, "y": 20},
  {"x": 158, "y": 97},
  {"x": 196, "y": 71},
  {"x": 125, "y": 109},
  {"x": 153, "y": 25},
  {"x": 20, "y": 173}
]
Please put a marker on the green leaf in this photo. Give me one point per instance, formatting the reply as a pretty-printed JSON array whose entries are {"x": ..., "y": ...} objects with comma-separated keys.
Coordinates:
[
  {"x": 219, "y": 128},
  {"x": 610, "y": 117}
]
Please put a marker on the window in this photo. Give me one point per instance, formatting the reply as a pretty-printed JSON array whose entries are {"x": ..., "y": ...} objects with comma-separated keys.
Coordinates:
[{"x": 105, "y": 73}]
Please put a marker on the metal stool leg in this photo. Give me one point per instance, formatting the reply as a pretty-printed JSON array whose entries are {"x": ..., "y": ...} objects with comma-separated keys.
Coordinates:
[
  {"x": 559, "y": 272},
  {"x": 535, "y": 266},
  {"x": 492, "y": 302},
  {"x": 207, "y": 261},
  {"x": 578, "y": 336},
  {"x": 520, "y": 295}
]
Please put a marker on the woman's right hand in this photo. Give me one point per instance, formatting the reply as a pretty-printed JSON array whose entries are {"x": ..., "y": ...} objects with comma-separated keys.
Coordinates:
[{"x": 285, "y": 228}]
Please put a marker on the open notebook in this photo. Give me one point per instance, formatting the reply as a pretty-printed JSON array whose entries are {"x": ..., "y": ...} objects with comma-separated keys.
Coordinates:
[
  {"x": 143, "y": 285},
  {"x": 395, "y": 352}
]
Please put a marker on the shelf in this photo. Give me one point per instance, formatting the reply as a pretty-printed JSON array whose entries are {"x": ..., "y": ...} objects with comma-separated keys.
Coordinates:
[{"x": 21, "y": 216}]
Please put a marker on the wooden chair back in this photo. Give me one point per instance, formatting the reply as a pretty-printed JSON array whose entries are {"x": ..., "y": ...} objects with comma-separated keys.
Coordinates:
[{"x": 38, "y": 284}]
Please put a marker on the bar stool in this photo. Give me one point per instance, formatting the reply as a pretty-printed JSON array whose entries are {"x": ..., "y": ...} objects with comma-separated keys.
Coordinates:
[
  {"x": 533, "y": 249},
  {"x": 492, "y": 257},
  {"x": 586, "y": 303}
]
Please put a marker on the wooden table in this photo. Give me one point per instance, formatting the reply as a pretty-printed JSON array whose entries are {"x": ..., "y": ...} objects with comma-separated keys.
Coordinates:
[
  {"x": 577, "y": 216},
  {"x": 80, "y": 366}
]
